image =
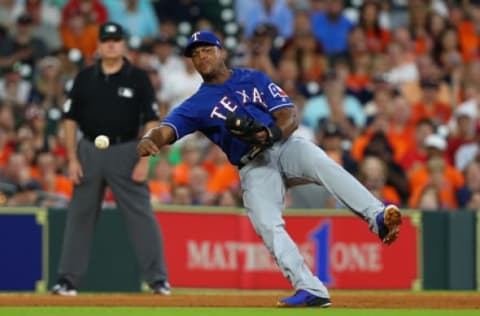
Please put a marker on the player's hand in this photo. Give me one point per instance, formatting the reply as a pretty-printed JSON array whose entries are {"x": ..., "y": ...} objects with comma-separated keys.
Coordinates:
[
  {"x": 140, "y": 172},
  {"x": 75, "y": 171},
  {"x": 146, "y": 147}
]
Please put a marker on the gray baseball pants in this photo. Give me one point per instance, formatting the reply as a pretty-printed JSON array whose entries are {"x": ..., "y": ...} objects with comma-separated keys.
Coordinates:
[
  {"x": 264, "y": 185},
  {"x": 113, "y": 167}
]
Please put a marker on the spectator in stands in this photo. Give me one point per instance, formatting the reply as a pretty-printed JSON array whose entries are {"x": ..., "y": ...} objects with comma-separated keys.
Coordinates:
[
  {"x": 305, "y": 50},
  {"x": 136, "y": 16},
  {"x": 48, "y": 83},
  {"x": 6, "y": 148},
  {"x": 331, "y": 139},
  {"x": 160, "y": 183},
  {"x": 27, "y": 48},
  {"x": 288, "y": 77},
  {"x": 429, "y": 106},
  {"x": 262, "y": 54},
  {"x": 222, "y": 174},
  {"x": 464, "y": 132},
  {"x": 198, "y": 182},
  {"x": 369, "y": 21},
  {"x": 334, "y": 104},
  {"x": 14, "y": 90},
  {"x": 468, "y": 152},
  {"x": 373, "y": 174},
  {"x": 17, "y": 182},
  {"x": 180, "y": 85},
  {"x": 58, "y": 187},
  {"x": 46, "y": 20},
  {"x": 429, "y": 199},
  {"x": 331, "y": 27},
  {"x": 468, "y": 194},
  {"x": 438, "y": 172},
  {"x": 274, "y": 12},
  {"x": 77, "y": 33},
  {"x": 447, "y": 52},
  {"x": 93, "y": 11},
  {"x": 191, "y": 157},
  {"x": 182, "y": 195},
  {"x": 416, "y": 155},
  {"x": 380, "y": 147},
  {"x": 402, "y": 66}
]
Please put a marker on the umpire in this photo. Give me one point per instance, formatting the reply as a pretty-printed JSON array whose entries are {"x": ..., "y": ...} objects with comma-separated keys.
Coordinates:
[{"x": 116, "y": 99}]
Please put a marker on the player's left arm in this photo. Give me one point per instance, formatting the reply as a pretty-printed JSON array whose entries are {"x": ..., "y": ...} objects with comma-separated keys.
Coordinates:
[
  {"x": 140, "y": 171},
  {"x": 286, "y": 122}
]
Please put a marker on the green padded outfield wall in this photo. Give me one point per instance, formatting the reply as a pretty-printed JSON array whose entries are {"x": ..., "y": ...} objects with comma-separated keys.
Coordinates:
[
  {"x": 449, "y": 249},
  {"x": 113, "y": 266},
  {"x": 461, "y": 245}
]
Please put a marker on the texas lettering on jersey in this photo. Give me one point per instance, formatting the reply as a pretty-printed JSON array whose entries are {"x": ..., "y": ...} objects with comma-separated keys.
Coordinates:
[{"x": 227, "y": 103}]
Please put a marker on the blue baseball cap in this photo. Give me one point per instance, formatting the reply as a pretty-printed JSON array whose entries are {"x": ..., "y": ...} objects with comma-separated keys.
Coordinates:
[{"x": 201, "y": 37}]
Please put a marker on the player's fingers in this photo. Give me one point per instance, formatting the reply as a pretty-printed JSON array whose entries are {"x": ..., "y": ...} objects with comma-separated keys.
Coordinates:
[{"x": 147, "y": 149}]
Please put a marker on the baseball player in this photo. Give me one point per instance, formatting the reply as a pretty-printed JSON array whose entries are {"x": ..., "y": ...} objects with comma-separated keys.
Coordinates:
[{"x": 252, "y": 120}]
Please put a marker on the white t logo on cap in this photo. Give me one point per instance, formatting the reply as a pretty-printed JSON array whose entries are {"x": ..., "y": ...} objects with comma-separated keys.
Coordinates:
[
  {"x": 111, "y": 29},
  {"x": 195, "y": 36}
]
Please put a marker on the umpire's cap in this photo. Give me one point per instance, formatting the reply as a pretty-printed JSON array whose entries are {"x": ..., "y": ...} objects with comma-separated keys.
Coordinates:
[
  {"x": 111, "y": 30},
  {"x": 201, "y": 37}
]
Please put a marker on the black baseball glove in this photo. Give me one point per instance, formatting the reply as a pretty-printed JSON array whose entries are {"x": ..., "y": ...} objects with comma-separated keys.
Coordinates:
[{"x": 246, "y": 128}]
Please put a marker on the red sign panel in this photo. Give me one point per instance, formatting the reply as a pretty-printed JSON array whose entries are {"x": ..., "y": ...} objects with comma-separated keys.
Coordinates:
[{"x": 223, "y": 251}]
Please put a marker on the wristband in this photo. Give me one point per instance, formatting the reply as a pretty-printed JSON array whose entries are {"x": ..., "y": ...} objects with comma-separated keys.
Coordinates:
[{"x": 275, "y": 132}]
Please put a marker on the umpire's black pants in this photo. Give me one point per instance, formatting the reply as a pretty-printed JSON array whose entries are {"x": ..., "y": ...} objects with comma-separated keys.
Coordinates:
[{"x": 113, "y": 167}]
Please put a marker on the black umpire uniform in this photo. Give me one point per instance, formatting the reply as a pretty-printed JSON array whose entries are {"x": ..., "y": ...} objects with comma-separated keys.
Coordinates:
[{"x": 117, "y": 105}]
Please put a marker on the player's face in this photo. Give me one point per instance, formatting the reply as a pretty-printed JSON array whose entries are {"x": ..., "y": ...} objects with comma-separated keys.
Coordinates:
[
  {"x": 112, "y": 48},
  {"x": 207, "y": 59}
]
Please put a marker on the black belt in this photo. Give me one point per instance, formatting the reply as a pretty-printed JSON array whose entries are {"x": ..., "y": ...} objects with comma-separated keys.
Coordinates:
[
  {"x": 113, "y": 140},
  {"x": 249, "y": 156}
]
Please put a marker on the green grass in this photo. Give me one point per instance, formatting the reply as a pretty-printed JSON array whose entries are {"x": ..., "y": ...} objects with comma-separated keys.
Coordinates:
[{"x": 207, "y": 311}]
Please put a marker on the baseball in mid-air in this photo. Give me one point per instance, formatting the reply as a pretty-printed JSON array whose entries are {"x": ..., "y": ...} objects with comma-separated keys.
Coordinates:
[{"x": 101, "y": 142}]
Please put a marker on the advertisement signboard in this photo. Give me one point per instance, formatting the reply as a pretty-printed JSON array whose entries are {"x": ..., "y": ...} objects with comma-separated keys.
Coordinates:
[{"x": 221, "y": 250}]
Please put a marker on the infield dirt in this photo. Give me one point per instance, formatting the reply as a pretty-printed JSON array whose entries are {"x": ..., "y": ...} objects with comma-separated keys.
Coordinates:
[{"x": 444, "y": 300}]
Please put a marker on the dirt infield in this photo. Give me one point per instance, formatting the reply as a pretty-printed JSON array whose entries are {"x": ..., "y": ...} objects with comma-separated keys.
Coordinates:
[{"x": 444, "y": 300}]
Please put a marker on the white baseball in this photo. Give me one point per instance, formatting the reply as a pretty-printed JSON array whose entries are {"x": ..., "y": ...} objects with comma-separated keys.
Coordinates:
[{"x": 102, "y": 142}]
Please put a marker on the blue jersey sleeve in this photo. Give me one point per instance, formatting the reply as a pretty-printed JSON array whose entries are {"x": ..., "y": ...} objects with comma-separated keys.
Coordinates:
[
  {"x": 274, "y": 96},
  {"x": 183, "y": 120}
]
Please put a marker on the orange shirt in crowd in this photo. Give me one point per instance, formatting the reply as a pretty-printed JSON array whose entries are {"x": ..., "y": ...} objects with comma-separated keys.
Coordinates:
[
  {"x": 390, "y": 195},
  {"x": 446, "y": 195},
  {"x": 86, "y": 42},
  {"x": 377, "y": 42},
  {"x": 439, "y": 112},
  {"x": 223, "y": 178},
  {"x": 358, "y": 82},
  {"x": 4, "y": 155},
  {"x": 469, "y": 42},
  {"x": 400, "y": 144},
  {"x": 420, "y": 178},
  {"x": 62, "y": 185},
  {"x": 159, "y": 190}
]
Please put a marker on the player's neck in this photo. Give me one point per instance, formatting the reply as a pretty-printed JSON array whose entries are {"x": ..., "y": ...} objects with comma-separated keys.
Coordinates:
[
  {"x": 219, "y": 77},
  {"x": 111, "y": 65}
]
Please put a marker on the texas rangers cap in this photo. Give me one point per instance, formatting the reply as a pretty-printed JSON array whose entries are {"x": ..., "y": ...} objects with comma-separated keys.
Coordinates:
[
  {"x": 201, "y": 37},
  {"x": 111, "y": 30}
]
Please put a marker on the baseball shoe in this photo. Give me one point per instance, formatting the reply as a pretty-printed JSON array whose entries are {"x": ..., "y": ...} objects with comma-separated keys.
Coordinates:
[
  {"x": 302, "y": 298},
  {"x": 389, "y": 222},
  {"x": 64, "y": 288},
  {"x": 161, "y": 287}
]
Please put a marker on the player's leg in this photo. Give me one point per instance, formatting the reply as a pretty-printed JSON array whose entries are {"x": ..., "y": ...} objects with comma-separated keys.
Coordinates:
[
  {"x": 133, "y": 199},
  {"x": 303, "y": 159},
  {"x": 82, "y": 215},
  {"x": 263, "y": 196}
]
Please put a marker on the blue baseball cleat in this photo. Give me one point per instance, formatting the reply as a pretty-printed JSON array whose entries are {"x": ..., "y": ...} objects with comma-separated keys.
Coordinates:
[
  {"x": 302, "y": 298},
  {"x": 389, "y": 222}
]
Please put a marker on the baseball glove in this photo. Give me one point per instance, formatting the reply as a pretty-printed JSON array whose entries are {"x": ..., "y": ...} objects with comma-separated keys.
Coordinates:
[{"x": 246, "y": 128}]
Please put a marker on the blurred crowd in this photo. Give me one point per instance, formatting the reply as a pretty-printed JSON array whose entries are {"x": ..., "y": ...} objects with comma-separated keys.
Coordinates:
[{"x": 389, "y": 89}]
